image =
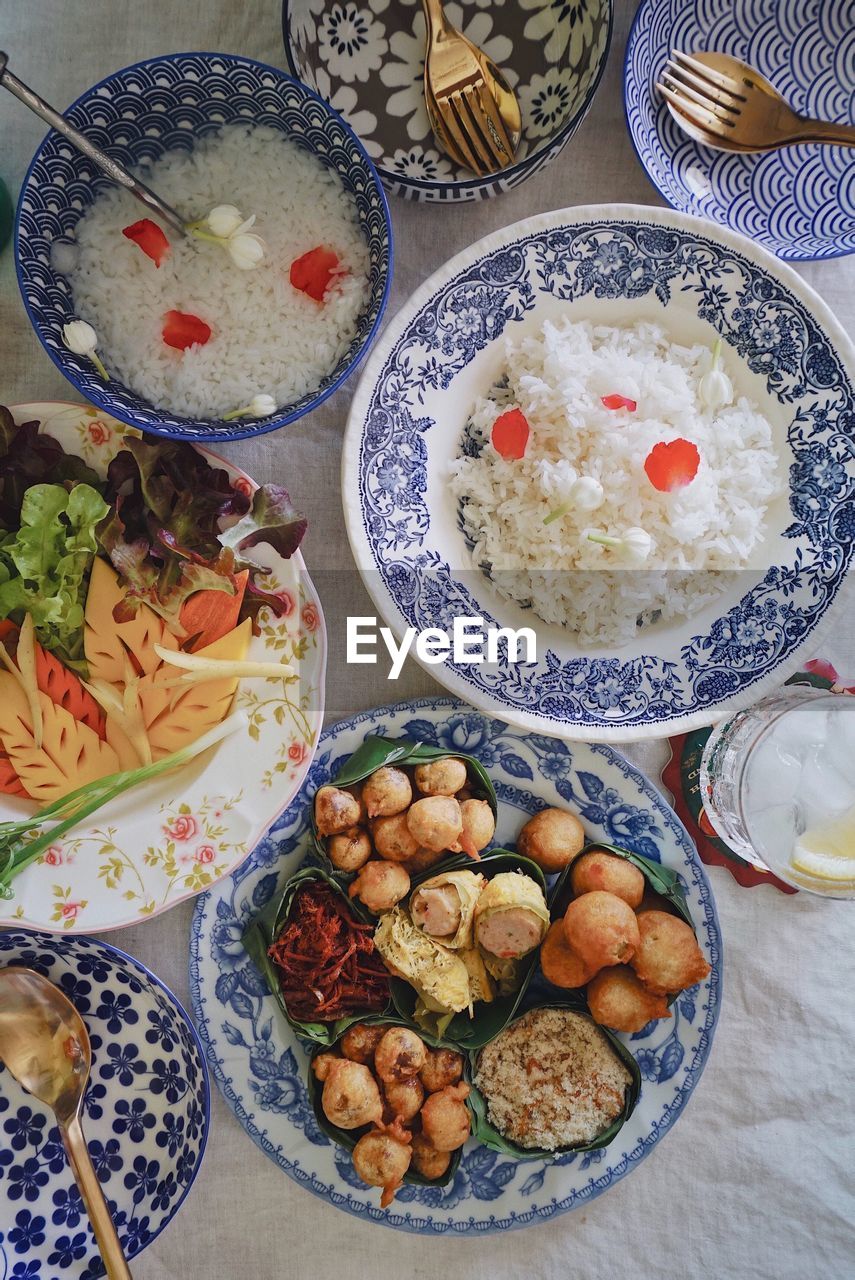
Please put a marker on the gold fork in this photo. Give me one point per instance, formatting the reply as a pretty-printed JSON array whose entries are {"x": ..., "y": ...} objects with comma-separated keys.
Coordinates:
[
  {"x": 723, "y": 103},
  {"x": 473, "y": 111}
]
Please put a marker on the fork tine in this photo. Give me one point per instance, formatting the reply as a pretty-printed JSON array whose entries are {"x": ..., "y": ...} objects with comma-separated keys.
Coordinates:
[
  {"x": 689, "y": 81},
  {"x": 728, "y": 115},
  {"x": 495, "y": 126},
  {"x": 707, "y": 73},
  {"x": 458, "y": 135},
  {"x": 479, "y": 134},
  {"x": 441, "y": 132},
  {"x": 700, "y": 116}
]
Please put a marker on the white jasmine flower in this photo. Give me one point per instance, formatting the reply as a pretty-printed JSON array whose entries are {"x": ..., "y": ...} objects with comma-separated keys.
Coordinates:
[
  {"x": 81, "y": 339},
  {"x": 260, "y": 406},
  {"x": 636, "y": 543},
  {"x": 715, "y": 388}
]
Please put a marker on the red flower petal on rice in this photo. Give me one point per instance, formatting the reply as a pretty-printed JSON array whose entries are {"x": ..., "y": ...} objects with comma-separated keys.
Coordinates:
[
  {"x": 672, "y": 464},
  {"x": 619, "y": 402},
  {"x": 312, "y": 273},
  {"x": 181, "y": 329},
  {"x": 150, "y": 238},
  {"x": 510, "y": 433}
]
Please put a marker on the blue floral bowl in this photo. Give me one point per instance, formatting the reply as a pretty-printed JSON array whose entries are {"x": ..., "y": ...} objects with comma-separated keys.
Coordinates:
[
  {"x": 800, "y": 202},
  {"x": 145, "y": 1115},
  {"x": 367, "y": 61},
  {"x": 137, "y": 114}
]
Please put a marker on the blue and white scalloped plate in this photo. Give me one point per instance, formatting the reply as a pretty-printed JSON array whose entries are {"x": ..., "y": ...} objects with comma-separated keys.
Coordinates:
[
  {"x": 799, "y": 202},
  {"x": 145, "y": 1115},
  {"x": 260, "y": 1065},
  {"x": 611, "y": 265}
]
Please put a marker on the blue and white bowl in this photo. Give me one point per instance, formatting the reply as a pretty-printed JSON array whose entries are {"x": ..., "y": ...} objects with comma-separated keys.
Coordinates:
[
  {"x": 145, "y": 1115},
  {"x": 137, "y": 114},
  {"x": 799, "y": 202},
  {"x": 609, "y": 264}
]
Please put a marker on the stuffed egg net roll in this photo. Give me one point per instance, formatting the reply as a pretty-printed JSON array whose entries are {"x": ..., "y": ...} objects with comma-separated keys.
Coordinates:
[
  {"x": 438, "y": 976},
  {"x": 443, "y": 907},
  {"x": 511, "y": 919}
]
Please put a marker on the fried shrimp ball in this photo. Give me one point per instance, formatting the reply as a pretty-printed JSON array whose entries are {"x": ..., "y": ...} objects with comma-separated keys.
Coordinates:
[
  {"x": 552, "y": 838},
  {"x": 380, "y": 885},
  {"x": 393, "y": 839},
  {"x": 399, "y": 1055},
  {"x": 445, "y": 1117},
  {"x": 479, "y": 825},
  {"x": 359, "y": 1042},
  {"x": 667, "y": 958},
  {"x": 404, "y": 1097},
  {"x": 601, "y": 870},
  {"x": 441, "y": 777},
  {"x": 381, "y": 1158},
  {"x": 336, "y": 811},
  {"x": 351, "y": 850},
  {"x": 618, "y": 1000},
  {"x": 435, "y": 822},
  {"x": 386, "y": 791},
  {"x": 351, "y": 1097},
  {"x": 560, "y": 964},
  {"x": 442, "y": 1067},
  {"x": 601, "y": 929},
  {"x": 427, "y": 1161}
]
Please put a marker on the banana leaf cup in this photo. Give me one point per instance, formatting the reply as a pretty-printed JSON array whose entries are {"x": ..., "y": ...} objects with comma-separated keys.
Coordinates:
[
  {"x": 485, "y": 1132},
  {"x": 264, "y": 930},
  {"x": 348, "y": 1138},
  {"x": 460, "y": 1030}
]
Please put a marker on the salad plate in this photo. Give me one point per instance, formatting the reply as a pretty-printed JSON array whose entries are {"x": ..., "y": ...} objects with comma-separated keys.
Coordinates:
[
  {"x": 260, "y": 1065},
  {"x": 146, "y": 1114},
  {"x": 610, "y": 265},
  {"x": 166, "y": 839}
]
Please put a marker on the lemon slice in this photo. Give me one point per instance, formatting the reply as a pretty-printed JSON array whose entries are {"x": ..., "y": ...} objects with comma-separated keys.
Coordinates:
[{"x": 828, "y": 852}]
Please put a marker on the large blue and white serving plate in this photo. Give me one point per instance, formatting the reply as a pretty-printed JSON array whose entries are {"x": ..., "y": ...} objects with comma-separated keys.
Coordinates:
[
  {"x": 145, "y": 1115},
  {"x": 612, "y": 265},
  {"x": 799, "y": 202},
  {"x": 136, "y": 115},
  {"x": 260, "y": 1065}
]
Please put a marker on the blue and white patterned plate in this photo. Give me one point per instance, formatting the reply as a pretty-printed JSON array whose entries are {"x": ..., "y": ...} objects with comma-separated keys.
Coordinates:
[
  {"x": 610, "y": 264},
  {"x": 145, "y": 1115},
  {"x": 260, "y": 1065},
  {"x": 799, "y": 202}
]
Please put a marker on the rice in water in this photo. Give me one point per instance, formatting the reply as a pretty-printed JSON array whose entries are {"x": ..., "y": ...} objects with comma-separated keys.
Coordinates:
[
  {"x": 267, "y": 336},
  {"x": 557, "y": 377}
]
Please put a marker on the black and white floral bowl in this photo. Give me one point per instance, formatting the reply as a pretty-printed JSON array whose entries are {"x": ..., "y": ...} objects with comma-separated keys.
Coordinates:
[{"x": 366, "y": 60}]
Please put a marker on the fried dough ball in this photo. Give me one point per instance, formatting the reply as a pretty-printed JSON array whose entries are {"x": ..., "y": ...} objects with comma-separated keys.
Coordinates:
[
  {"x": 399, "y": 1055},
  {"x": 427, "y": 1161},
  {"x": 336, "y": 811},
  {"x": 618, "y": 1000},
  {"x": 552, "y": 838},
  {"x": 386, "y": 791},
  {"x": 393, "y": 839},
  {"x": 667, "y": 958},
  {"x": 404, "y": 1097},
  {"x": 479, "y": 825},
  {"x": 435, "y": 822},
  {"x": 560, "y": 964},
  {"x": 380, "y": 885},
  {"x": 322, "y": 1063},
  {"x": 359, "y": 1042},
  {"x": 601, "y": 929},
  {"x": 600, "y": 870},
  {"x": 381, "y": 1158},
  {"x": 423, "y": 860},
  {"x": 351, "y": 1097},
  {"x": 441, "y": 777},
  {"x": 442, "y": 1067},
  {"x": 351, "y": 850},
  {"x": 445, "y": 1117}
]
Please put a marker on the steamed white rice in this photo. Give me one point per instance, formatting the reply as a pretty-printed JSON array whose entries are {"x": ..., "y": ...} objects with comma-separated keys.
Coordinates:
[
  {"x": 557, "y": 377},
  {"x": 268, "y": 337}
]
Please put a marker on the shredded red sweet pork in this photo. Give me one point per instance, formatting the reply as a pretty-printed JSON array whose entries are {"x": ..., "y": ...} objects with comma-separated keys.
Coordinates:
[{"x": 328, "y": 967}]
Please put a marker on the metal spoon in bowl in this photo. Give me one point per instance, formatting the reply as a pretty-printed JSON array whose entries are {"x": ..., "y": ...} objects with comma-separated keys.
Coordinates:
[
  {"x": 45, "y": 1046},
  {"x": 112, "y": 169}
]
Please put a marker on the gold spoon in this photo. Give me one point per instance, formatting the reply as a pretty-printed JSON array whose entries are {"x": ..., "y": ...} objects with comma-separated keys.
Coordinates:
[{"x": 45, "y": 1046}]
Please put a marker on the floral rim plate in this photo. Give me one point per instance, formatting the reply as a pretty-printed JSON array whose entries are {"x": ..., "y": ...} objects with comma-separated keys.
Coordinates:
[
  {"x": 260, "y": 1065},
  {"x": 612, "y": 265},
  {"x": 164, "y": 842},
  {"x": 146, "y": 1115},
  {"x": 800, "y": 202}
]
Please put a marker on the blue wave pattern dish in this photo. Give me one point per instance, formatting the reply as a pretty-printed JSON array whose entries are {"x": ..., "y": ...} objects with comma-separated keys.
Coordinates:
[
  {"x": 799, "y": 202},
  {"x": 137, "y": 114},
  {"x": 656, "y": 265},
  {"x": 145, "y": 1115},
  {"x": 260, "y": 1065}
]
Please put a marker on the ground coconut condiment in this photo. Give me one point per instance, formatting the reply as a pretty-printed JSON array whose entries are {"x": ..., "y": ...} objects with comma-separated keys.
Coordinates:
[{"x": 551, "y": 1080}]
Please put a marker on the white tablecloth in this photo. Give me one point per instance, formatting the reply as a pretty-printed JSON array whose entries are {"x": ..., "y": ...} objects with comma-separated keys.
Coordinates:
[{"x": 758, "y": 1178}]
